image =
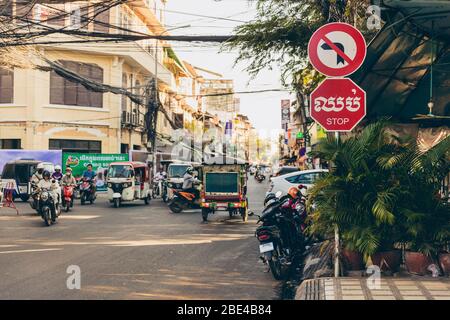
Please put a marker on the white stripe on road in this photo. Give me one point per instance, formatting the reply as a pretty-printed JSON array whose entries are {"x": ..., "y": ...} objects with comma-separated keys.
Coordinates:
[{"x": 30, "y": 250}]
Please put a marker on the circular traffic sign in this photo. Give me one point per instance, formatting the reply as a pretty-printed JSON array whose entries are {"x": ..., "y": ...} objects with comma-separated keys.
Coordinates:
[{"x": 337, "y": 49}]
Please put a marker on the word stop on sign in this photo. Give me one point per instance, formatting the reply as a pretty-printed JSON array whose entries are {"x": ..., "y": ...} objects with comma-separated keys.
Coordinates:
[{"x": 338, "y": 104}]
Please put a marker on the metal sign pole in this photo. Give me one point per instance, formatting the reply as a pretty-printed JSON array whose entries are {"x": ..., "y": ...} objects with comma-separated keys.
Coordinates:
[{"x": 336, "y": 235}]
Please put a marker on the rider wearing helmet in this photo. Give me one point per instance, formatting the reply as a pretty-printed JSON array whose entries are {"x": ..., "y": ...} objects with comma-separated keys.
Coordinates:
[
  {"x": 68, "y": 179},
  {"x": 188, "y": 182},
  {"x": 50, "y": 184},
  {"x": 57, "y": 175},
  {"x": 37, "y": 176}
]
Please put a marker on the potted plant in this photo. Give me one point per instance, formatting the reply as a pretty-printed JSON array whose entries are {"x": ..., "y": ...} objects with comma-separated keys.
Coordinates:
[
  {"x": 444, "y": 261},
  {"x": 352, "y": 259},
  {"x": 381, "y": 192}
]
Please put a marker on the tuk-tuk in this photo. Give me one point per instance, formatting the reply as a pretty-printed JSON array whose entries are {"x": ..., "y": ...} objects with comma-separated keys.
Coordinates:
[
  {"x": 21, "y": 171},
  {"x": 225, "y": 187},
  {"x": 175, "y": 173},
  {"x": 128, "y": 182}
]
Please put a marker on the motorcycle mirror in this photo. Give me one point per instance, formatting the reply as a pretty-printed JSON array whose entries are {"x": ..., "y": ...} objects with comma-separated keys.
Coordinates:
[
  {"x": 53, "y": 181},
  {"x": 251, "y": 214},
  {"x": 301, "y": 186}
]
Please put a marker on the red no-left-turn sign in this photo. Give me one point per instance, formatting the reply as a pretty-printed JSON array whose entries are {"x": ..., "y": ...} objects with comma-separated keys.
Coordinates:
[{"x": 337, "y": 49}]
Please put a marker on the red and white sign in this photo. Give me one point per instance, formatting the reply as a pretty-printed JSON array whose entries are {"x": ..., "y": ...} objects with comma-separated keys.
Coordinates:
[
  {"x": 337, "y": 49},
  {"x": 338, "y": 104}
]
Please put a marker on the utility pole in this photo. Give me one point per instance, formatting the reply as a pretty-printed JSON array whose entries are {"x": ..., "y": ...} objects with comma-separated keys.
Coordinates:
[{"x": 156, "y": 102}]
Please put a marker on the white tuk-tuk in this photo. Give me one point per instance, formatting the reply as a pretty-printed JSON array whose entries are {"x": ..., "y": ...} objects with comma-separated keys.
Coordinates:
[{"x": 128, "y": 182}]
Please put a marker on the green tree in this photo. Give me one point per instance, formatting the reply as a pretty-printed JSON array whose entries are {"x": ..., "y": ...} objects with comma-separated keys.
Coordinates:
[{"x": 281, "y": 31}]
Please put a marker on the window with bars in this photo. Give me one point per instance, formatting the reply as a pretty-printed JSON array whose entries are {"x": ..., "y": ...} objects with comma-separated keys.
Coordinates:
[
  {"x": 10, "y": 144},
  {"x": 6, "y": 86},
  {"x": 66, "y": 92},
  {"x": 82, "y": 146}
]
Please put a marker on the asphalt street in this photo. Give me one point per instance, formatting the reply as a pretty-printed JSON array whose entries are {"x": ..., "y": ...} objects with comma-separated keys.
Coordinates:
[{"x": 134, "y": 252}]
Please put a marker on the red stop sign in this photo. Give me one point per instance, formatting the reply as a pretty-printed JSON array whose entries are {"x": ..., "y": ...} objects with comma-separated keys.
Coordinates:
[{"x": 338, "y": 104}]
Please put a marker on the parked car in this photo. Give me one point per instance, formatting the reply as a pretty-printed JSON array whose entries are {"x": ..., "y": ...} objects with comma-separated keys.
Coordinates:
[
  {"x": 284, "y": 182},
  {"x": 284, "y": 170}
]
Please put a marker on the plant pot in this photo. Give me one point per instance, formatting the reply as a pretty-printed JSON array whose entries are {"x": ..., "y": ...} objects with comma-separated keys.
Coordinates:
[
  {"x": 352, "y": 260},
  {"x": 387, "y": 260},
  {"x": 417, "y": 263},
  {"x": 444, "y": 262}
]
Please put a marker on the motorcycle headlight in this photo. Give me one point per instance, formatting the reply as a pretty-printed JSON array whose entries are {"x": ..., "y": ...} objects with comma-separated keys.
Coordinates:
[
  {"x": 170, "y": 185},
  {"x": 44, "y": 196},
  {"x": 109, "y": 185}
]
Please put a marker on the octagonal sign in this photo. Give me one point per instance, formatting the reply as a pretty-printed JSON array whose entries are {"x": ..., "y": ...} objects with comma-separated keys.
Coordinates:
[{"x": 338, "y": 104}]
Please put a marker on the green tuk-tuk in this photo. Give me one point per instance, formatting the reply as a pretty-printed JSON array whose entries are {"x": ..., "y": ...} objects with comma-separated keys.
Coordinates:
[{"x": 224, "y": 187}]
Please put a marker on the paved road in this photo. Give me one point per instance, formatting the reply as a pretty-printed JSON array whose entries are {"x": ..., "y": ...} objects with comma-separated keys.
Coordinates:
[{"x": 134, "y": 252}]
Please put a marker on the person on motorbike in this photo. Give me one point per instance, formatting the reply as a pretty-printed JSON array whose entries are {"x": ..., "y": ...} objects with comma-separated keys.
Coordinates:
[
  {"x": 188, "y": 182},
  {"x": 160, "y": 176},
  {"x": 52, "y": 185},
  {"x": 57, "y": 175},
  {"x": 68, "y": 179},
  {"x": 90, "y": 175},
  {"x": 37, "y": 176}
]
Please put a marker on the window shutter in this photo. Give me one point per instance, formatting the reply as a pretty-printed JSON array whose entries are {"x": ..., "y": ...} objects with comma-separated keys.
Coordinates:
[
  {"x": 57, "y": 15},
  {"x": 56, "y": 88},
  {"x": 6, "y": 86},
  {"x": 101, "y": 20}
]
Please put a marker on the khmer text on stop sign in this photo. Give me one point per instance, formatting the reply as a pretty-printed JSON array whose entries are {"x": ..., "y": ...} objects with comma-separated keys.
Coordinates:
[{"x": 338, "y": 104}]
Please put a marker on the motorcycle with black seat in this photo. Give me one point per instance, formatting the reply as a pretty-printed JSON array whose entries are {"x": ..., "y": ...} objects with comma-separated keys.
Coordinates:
[{"x": 281, "y": 234}]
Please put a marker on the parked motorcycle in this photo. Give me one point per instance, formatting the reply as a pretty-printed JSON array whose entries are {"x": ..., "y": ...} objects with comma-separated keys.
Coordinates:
[
  {"x": 68, "y": 196},
  {"x": 48, "y": 207},
  {"x": 280, "y": 235},
  {"x": 87, "y": 191}
]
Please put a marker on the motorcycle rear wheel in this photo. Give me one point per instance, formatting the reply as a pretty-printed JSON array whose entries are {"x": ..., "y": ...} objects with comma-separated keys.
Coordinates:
[{"x": 279, "y": 272}]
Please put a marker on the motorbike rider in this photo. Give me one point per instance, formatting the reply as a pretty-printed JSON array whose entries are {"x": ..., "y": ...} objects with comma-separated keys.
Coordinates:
[
  {"x": 188, "y": 182},
  {"x": 90, "y": 175},
  {"x": 37, "y": 176},
  {"x": 50, "y": 184},
  {"x": 57, "y": 175},
  {"x": 161, "y": 174},
  {"x": 68, "y": 179}
]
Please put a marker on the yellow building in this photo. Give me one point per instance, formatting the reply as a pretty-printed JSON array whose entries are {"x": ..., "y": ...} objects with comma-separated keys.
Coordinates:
[{"x": 41, "y": 110}]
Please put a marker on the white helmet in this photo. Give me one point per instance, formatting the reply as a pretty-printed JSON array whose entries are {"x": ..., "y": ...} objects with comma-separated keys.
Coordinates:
[
  {"x": 40, "y": 166},
  {"x": 57, "y": 167}
]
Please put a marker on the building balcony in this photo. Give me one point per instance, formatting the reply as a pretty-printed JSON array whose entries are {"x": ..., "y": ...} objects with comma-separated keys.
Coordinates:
[{"x": 135, "y": 56}]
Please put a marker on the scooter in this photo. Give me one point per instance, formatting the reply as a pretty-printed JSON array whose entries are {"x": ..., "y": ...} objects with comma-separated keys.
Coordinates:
[
  {"x": 260, "y": 177},
  {"x": 68, "y": 196},
  {"x": 182, "y": 201},
  {"x": 87, "y": 192},
  {"x": 48, "y": 208},
  {"x": 280, "y": 236}
]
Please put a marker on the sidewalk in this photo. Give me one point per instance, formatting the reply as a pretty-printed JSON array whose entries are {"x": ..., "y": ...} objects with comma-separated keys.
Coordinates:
[{"x": 390, "y": 289}]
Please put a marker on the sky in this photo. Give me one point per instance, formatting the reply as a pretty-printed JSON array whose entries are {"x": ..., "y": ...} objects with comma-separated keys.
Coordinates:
[{"x": 263, "y": 109}]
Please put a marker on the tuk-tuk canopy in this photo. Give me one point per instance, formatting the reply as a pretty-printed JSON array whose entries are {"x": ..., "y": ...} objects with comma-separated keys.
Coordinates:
[
  {"x": 133, "y": 164},
  {"x": 223, "y": 160}
]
